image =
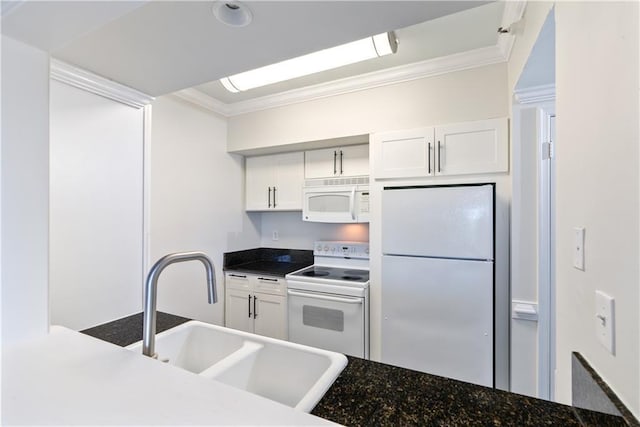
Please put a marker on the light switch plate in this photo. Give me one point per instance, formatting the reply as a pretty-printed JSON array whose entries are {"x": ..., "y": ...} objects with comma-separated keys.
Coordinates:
[
  {"x": 578, "y": 248},
  {"x": 605, "y": 321}
]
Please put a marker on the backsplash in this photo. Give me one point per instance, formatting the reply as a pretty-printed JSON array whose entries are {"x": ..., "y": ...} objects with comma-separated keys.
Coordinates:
[{"x": 295, "y": 233}]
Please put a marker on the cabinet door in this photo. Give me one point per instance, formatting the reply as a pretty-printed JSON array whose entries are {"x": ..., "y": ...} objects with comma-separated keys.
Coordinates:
[
  {"x": 239, "y": 310},
  {"x": 321, "y": 163},
  {"x": 472, "y": 147},
  {"x": 403, "y": 154},
  {"x": 271, "y": 316},
  {"x": 289, "y": 180},
  {"x": 258, "y": 183},
  {"x": 354, "y": 160}
]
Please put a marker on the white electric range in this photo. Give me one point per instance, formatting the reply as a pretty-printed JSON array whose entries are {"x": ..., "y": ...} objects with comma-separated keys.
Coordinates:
[{"x": 329, "y": 301}]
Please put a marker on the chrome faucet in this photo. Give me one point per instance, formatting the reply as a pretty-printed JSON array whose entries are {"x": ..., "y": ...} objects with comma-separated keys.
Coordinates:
[{"x": 151, "y": 289}]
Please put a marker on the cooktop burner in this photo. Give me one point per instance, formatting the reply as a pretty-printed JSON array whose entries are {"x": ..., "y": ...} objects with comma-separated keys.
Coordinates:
[
  {"x": 315, "y": 273},
  {"x": 351, "y": 278}
]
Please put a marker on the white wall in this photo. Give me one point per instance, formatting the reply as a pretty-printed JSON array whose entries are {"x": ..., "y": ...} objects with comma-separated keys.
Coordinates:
[
  {"x": 25, "y": 191},
  {"x": 96, "y": 194},
  {"x": 598, "y": 187},
  {"x": 473, "y": 94},
  {"x": 294, "y": 233},
  {"x": 197, "y": 203}
]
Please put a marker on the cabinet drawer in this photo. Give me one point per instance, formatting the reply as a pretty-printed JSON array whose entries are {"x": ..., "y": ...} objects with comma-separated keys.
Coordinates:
[
  {"x": 237, "y": 281},
  {"x": 269, "y": 284}
]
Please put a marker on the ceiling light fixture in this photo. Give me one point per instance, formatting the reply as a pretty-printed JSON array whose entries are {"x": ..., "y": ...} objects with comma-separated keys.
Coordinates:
[
  {"x": 327, "y": 59},
  {"x": 232, "y": 13}
]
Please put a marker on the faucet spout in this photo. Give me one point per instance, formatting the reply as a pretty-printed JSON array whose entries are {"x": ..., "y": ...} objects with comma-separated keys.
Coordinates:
[{"x": 151, "y": 290}]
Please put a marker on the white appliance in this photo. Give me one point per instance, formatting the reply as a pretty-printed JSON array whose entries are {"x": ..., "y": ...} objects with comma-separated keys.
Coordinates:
[
  {"x": 438, "y": 280},
  {"x": 336, "y": 200},
  {"x": 329, "y": 301}
]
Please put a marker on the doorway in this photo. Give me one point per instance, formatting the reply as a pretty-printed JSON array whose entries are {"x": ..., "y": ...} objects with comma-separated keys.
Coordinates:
[{"x": 533, "y": 219}]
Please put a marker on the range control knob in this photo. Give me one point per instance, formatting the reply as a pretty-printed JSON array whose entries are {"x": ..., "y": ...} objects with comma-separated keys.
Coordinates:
[{"x": 326, "y": 248}]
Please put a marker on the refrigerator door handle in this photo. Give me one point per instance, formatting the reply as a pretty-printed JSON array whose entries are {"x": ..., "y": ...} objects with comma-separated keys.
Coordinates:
[{"x": 429, "y": 157}]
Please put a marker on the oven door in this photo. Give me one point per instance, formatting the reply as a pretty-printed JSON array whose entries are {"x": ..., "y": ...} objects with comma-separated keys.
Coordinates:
[{"x": 327, "y": 321}]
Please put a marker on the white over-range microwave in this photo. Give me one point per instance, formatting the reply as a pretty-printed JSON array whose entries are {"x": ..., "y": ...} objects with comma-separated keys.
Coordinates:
[{"x": 336, "y": 200}]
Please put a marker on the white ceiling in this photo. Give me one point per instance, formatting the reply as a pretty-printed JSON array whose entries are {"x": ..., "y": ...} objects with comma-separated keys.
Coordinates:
[{"x": 159, "y": 47}]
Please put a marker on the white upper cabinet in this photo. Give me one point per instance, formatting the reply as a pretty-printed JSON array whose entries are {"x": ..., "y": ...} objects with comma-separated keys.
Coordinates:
[
  {"x": 403, "y": 154},
  {"x": 472, "y": 147},
  {"x": 351, "y": 160},
  {"x": 456, "y": 149},
  {"x": 274, "y": 182}
]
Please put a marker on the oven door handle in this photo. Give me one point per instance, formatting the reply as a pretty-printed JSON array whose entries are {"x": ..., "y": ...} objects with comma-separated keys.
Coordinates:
[{"x": 326, "y": 297}]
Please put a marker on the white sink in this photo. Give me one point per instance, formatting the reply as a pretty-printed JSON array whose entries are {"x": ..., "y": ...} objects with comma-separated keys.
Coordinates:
[{"x": 292, "y": 374}]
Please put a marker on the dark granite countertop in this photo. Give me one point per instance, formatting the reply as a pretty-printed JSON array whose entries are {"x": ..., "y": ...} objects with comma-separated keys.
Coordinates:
[
  {"x": 272, "y": 261},
  {"x": 369, "y": 393},
  {"x": 128, "y": 330}
]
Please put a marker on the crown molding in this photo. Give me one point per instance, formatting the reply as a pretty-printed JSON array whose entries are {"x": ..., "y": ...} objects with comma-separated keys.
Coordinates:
[
  {"x": 85, "y": 80},
  {"x": 535, "y": 94},
  {"x": 419, "y": 70},
  {"x": 203, "y": 100}
]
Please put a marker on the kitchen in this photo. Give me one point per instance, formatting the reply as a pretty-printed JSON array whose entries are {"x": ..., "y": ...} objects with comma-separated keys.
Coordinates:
[{"x": 196, "y": 227}]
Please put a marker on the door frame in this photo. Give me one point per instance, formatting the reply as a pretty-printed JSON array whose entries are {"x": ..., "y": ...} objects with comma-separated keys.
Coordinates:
[{"x": 544, "y": 104}]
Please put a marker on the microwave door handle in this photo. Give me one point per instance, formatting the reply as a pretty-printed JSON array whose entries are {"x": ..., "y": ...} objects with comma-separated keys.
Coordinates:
[{"x": 352, "y": 204}]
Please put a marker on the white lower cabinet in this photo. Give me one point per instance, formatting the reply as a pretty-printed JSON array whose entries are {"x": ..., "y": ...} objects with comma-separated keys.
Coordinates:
[
  {"x": 456, "y": 149},
  {"x": 256, "y": 304}
]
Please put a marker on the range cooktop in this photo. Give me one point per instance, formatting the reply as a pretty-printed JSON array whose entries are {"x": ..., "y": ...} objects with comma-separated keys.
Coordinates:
[{"x": 333, "y": 273}]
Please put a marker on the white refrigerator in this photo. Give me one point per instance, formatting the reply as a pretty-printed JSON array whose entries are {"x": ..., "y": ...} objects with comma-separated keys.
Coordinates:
[{"x": 438, "y": 280}]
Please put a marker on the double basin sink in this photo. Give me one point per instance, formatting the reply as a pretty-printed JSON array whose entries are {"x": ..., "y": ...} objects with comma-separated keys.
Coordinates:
[{"x": 292, "y": 374}]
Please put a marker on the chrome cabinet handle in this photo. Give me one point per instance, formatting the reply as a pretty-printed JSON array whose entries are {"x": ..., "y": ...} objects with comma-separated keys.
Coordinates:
[
  {"x": 269, "y": 197},
  {"x": 429, "y": 156},
  {"x": 274, "y": 197},
  {"x": 439, "y": 156},
  {"x": 238, "y": 275},
  {"x": 249, "y": 306},
  {"x": 255, "y": 312},
  {"x": 335, "y": 157},
  {"x": 341, "y": 155},
  {"x": 267, "y": 279}
]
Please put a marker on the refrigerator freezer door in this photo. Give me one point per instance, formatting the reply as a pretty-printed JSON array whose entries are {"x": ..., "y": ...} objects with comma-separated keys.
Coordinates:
[
  {"x": 437, "y": 317},
  {"x": 444, "y": 222}
]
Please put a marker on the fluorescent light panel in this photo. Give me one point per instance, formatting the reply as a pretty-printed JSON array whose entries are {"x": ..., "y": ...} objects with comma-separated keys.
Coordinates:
[{"x": 327, "y": 59}]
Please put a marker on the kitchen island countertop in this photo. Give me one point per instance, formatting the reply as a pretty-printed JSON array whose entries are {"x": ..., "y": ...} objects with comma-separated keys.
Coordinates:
[{"x": 371, "y": 393}]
